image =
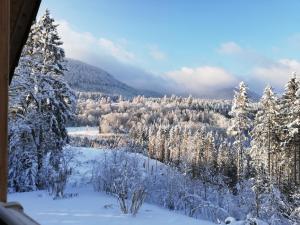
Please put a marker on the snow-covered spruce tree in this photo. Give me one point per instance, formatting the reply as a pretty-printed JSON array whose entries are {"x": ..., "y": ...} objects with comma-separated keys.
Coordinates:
[
  {"x": 49, "y": 101},
  {"x": 240, "y": 126},
  {"x": 60, "y": 100},
  {"x": 294, "y": 132},
  {"x": 160, "y": 144},
  {"x": 211, "y": 155},
  {"x": 151, "y": 142},
  {"x": 270, "y": 204},
  {"x": 227, "y": 163},
  {"x": 265, "y": 144},
  {"x": 288, "y": 133},
  {"x": 22, "y": 148},
  {"x": 177, "y": 148}
]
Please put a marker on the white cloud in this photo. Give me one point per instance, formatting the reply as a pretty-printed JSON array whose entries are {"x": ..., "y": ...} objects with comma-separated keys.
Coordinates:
[
  {"x": 108, "y": 55},
  {"x": 80, "y": 44},
  {"x": 124, "y": 65},
  {"x": 156, "y": 53},
  {"x": 278, "y": 73},
  {"x": 230, "y": 48},
  {"x": 246, "y": 57},
  {"x": 76, "y": 44},
  {"x": 201, "y": 79},
  {"x": 116, "y": 50},
  {"x": 261, "y": 69}
]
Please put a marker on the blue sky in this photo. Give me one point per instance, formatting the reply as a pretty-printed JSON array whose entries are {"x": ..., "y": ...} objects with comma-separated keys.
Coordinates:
[{"x": 185, "y": 41}]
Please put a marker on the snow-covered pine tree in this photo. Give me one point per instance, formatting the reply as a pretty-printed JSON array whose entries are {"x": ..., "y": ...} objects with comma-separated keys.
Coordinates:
[
  {"x": 199, "y": 145},
  {"x": 294, "y": 132},
  {"x": 55, "y": 100},
  {"x": 189, "y": 100},
  {"x": 160, "y": 144},
  {"x": 22, "y": 148},
  {"x": 265, "y": 144},
  {"x": 260, "y": 187},
  {"x": 185, "y": 142},
  {"x": 270, "y": 204},
  {"x": 227, "y": 163},
  {"x": 49, "y": 100},
  {"x": 167, "y": 146},
  {"x": 151, "y": 142},
  {"x": 286, "y": 131},
  {"x": 177, "y": 145},
  {"x": 210, "y": 156},
  {"x": 171, "y": 145},
  {"x": 240, "y": 125}
]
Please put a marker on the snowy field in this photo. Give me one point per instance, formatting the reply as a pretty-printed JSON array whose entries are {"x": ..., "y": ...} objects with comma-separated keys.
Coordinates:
[
  {"x": 88, "y": 132},
  {"x": 88, "y": 207},
  {"x": 91, "y": 208},
  {"x": 83, "y": 131}
]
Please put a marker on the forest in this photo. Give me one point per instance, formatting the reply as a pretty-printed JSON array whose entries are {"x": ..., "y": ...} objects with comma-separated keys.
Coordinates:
[{"x": 250, "y": 149}]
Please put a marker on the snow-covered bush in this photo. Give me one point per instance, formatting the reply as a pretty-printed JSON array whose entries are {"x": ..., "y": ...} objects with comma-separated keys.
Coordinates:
[
  {"x": 119, "y": 174},
  {"x": 137, "y": 200},
  {"x": 22, "y": 157},
  {"x": 58, "y": 175},
  {"x": 129, "y": 177},
  {"x": 296, "y": 211},
  {"x": 166, "y": 188},
  {"x": 113, "y": 123}
]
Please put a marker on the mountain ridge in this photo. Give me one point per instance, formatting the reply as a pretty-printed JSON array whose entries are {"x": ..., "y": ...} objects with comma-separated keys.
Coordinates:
[{"x": 84, "y": 77}]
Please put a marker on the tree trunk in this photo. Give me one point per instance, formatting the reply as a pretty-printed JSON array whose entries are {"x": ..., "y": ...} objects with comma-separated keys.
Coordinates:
[
  {"x": 269, "y": 152},
  {"x": 295, "y": 165},
  {"x": 298, "y": 157}
]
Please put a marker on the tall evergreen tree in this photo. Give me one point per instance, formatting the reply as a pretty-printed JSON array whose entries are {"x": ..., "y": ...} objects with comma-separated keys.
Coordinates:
[
  {"x": 46, "y": 99},
  {"x": 22, "y": 147},
  {"x": 294, "y": 132},
  {"x": 287, "y": 131},
  {"x": 240, "y": 125},
  {"x": 265, "y": 144}
]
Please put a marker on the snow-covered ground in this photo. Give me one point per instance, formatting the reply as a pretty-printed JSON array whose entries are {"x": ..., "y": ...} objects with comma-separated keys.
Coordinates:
[
  {"x": 88, "y": 132},
  {"x": 92, "y": 208},
  {"x": 88, "y": 207},
  {"x": 83, "y": 131}
]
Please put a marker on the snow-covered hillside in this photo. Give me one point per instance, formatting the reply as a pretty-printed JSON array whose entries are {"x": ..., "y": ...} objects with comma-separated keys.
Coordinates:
[
  {"x": 88, "y": 207},
  {"x": 85, "y": 77}
]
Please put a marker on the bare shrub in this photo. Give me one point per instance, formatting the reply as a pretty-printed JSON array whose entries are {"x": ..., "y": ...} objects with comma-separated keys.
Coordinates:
[
  {"x": 137, "y": 200},
  {"x": 59, "y": 174},
  {"x": 119, "y": 174}
]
